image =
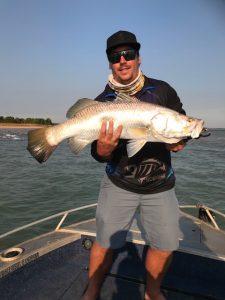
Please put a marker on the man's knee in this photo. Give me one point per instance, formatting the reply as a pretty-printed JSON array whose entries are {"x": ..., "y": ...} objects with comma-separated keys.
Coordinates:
[{"x": 159, "y": 259}]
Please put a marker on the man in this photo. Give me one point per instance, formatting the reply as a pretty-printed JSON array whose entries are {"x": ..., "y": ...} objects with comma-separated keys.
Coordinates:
[{"x": 145, "y": 180}]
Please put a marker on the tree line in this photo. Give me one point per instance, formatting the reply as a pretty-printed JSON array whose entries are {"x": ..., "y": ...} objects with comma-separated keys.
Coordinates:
[{"x": 10, "y": 119}]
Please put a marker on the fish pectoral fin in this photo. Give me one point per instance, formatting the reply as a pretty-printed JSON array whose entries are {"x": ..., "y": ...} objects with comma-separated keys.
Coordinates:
[
  {"x": 76, "y": 144},
  {"x": 134, "y": 146},
  {"x": 138, "y": 132},
  {"x": 79, "y": 105}
]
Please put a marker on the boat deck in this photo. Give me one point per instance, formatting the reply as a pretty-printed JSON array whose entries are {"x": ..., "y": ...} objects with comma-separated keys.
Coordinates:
[
  {"x": 55, "y": 266},
  {"x": 63, "y": 273}
]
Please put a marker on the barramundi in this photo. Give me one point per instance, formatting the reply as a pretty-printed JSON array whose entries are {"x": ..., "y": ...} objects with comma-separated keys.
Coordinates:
[{"x": 142, "y": 122}]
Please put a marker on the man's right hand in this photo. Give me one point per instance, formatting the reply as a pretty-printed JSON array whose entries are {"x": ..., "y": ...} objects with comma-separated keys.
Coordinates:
[{"x": 108, "y": 139}]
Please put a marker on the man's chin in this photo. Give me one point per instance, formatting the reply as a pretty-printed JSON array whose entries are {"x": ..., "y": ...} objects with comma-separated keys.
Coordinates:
[{"x": 125, "y": 79}]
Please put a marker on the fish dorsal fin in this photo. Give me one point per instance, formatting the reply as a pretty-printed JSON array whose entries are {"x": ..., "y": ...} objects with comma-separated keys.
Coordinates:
[
  {"x": 134, "y": 146},
  {"x": 125, "y": 98},
  {"x": 78, "y": 106}
]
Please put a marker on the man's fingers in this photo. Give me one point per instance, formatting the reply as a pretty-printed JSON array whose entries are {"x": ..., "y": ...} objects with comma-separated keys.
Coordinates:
[
  {"x": 107, "y": 131},
  {"x": 110, "y": 129},
  {"x": 176, "y": 147},
  {"x": 103, "y": 129},
  {"x": 118, "y": 132}
]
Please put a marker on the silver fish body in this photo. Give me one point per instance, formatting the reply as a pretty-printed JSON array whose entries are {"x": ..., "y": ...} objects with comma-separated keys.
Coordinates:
[{"x": 142, "y": 122}]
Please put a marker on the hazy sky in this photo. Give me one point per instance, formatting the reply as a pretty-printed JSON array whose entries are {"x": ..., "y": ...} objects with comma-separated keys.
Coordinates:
[{"x": 53, "y": 52}]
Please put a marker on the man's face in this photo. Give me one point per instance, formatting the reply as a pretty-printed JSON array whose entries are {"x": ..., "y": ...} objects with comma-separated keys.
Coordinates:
[{"x": 125, "y": 71}]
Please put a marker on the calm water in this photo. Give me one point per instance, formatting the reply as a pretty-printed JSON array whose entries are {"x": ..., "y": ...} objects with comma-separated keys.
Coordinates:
[{"x": 30, "y": 191}]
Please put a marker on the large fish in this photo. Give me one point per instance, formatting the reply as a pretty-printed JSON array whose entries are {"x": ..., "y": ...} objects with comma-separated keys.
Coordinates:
[{"x": 142, "y": 122}]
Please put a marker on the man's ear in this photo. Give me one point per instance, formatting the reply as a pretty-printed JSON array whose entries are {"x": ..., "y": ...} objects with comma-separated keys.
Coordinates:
[
  {"x": 110, "y": 66},
  {"x": 139, "y": 60}
]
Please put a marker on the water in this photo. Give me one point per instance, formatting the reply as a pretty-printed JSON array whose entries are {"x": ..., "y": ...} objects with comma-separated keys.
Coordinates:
[{"x": 30, "y": 191}]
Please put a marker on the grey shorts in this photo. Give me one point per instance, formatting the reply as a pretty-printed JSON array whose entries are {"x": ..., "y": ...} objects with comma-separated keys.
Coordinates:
[{"x": 159, "y": 214}]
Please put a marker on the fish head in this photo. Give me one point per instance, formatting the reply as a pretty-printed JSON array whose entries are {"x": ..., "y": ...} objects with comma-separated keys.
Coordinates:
[
  {"x": 184, "y": 126},
  {"x": 189, "y": 126},
  {"x": 197, "y": 128},
  {"x": 174, "y": 125}
]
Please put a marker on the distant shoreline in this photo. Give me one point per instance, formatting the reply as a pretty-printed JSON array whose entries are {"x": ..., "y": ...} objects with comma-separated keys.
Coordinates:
[{"x": 15, "y": 125}]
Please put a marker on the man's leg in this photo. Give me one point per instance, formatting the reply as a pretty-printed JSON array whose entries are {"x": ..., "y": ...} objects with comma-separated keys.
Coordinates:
[
  {"x": 157, "y": 263},
  {"x": 159, "y": 216},
  {"x": 100, "y": 262},
  {"x": 115, "y": 210}
]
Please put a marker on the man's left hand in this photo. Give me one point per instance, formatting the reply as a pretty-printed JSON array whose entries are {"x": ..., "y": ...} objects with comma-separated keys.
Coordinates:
[{"x": 176, "y": 147}]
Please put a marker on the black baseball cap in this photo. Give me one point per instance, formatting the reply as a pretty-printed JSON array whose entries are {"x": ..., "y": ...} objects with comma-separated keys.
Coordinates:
[{"x": 121, "y": 38}]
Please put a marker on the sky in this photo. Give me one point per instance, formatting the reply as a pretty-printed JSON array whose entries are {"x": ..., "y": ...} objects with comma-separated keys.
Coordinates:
[{"x": 52, "y": 52}]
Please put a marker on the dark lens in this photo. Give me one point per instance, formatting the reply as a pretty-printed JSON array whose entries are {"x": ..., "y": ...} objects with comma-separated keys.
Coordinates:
[
  {"x": 114, "y": 57},
  {"x": 129, "y": 54}
]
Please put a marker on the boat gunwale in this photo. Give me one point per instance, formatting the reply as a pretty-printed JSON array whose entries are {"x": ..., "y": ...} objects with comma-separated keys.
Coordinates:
[{"x": 65, "y": 214}]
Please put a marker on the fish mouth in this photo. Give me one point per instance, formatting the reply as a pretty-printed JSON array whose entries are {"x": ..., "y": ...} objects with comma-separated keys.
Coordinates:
[
  {"x": 205, "y": 132},
  {"x": 197, "y": 129}
]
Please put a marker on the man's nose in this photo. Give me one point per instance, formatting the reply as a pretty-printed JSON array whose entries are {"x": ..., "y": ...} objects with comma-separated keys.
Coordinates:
[{"x": 122, "y": 59}]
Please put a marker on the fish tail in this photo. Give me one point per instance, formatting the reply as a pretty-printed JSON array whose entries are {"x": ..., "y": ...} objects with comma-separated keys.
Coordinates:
[{"x": 38, "y": 145}]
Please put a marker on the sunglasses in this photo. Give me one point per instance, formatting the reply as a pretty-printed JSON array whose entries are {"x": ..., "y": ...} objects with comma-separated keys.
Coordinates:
[{"x": 115, "y": 57}]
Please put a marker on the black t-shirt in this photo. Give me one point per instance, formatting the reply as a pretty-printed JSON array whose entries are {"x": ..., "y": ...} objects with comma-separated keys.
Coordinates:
[{"x": 148, "y": 171}]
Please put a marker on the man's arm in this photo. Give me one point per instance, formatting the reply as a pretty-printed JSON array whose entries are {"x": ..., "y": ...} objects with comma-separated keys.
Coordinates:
[
  {"x": 175, "y": 104},
  {"x": 173, "y": 101}
]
